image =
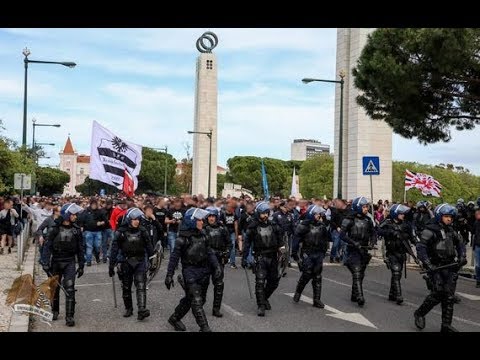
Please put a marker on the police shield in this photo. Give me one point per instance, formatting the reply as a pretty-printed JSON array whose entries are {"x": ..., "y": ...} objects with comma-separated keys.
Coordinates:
[{"x": 155, "y": 262}]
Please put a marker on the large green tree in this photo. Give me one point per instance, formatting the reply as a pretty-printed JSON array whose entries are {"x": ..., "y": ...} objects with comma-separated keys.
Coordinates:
[
  {"x": 152, "y": 173},
  {"x": 50, "y": 180},
  {"x": 421, "y": 81},
  {"x": 316, "y": 176}
]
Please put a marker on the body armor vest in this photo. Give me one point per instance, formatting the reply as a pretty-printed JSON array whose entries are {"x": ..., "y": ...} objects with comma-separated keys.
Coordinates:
[
  {"x": 360, "y": 230},
  {"x": 265, "y": 239},
  {"x": 133, "y": 245},
  {"x": 65, "y": 243},
  {"x": 216, "y": 238},
  {"x": 196, "y": 251},
  {"x": 316, "y": 239}
]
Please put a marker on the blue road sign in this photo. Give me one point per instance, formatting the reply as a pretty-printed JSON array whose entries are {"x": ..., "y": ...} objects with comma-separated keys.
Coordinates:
[{"x": 371, "y": 165}]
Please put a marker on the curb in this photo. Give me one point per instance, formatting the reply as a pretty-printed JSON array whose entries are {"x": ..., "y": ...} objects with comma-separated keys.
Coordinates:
[{"x": 20, "y": 322}]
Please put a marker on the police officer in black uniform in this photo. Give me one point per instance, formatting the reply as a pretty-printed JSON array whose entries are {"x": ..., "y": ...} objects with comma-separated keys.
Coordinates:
[
  {"x": 64, "y": 242},
  {"x": 358, "y": 232},
  {"x": 313, "y": 234},
  {"x": 421, "y": 217},
  {"x": 132, "y": 241},
  {"x": 198, "y": 263},
  {"x": 440, "y": 245},
  {"x": 398, "y": 235},
  {"x": 284, "y": 219},
  {"x": 219, "y": 242},
  {"x": 460, "y": 222},
  {"x": 267, "y": 241}
]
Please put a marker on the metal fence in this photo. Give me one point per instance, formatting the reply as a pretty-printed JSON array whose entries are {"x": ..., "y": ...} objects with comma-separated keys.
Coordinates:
[{"x": 22, "y": 242}]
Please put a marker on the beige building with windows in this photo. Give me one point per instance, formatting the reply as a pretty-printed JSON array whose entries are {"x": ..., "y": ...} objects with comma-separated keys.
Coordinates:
[
  {"x": 303, "y": 149},
  {"x": 77, "y": 166}
]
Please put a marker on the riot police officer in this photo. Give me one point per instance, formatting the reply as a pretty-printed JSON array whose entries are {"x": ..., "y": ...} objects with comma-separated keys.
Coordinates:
[
  {"x": 267, "y": 241},
  {"x": 198, "y": 262},
  {"x": 130, "y": 244},
  {"x": 460, "y": 222},
  {"x": 398, "y": 236},
  {"x": 64, "y": 243},
  {"x": 219, "y": 242},
  {"x": 313, "y": 235},
  {"x": 358, "y": 232},
  {"x": 421, "y": 217},
  {"x": 439, "y": 245}
]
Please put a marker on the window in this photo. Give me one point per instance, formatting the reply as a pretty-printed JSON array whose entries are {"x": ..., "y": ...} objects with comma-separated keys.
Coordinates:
[
  {"x": 81, "y": 171},
  {"x": 209, "y": 64}
]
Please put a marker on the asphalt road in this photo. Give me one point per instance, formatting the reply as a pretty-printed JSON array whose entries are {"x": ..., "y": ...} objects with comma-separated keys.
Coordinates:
[{"x": 95, "y": 310}]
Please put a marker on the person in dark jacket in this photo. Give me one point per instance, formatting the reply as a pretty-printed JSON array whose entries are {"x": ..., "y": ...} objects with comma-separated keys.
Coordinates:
[
  {"x": 198, "y": 260},
  {"x": 284, "y": 219},
  {"x": 476, "y": 245},
  {"x": 339, "y": 212},
  {"x": 45, "y": 227},
  {"x": 133, "y": 241},
  {"x": 153, "y": 226},
  {"x": 64, "y": 243},
  {"x": 107, "y": 232},
  {"x": 440, "y": 245},
  {"x": 93, "y": 220}
]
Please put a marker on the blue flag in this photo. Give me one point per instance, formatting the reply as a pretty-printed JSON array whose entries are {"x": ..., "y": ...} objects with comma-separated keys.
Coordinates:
[{"x": 265, "y": 183}]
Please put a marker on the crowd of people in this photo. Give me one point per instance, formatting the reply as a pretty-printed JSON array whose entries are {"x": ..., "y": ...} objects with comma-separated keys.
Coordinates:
[{"x": 206, "y": 234}]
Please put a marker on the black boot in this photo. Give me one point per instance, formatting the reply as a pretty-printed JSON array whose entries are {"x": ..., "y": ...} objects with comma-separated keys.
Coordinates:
[
  {"x": 199, "y": 315},
  {"x": 391, "y": 295},
  {"x": 143, "y": 312},
  {"x": 357, "y": 284},
  {"x": 217, "y": 299},
  {"x": 317, "y": 292},
  {"x": 261, "y": 310},
  {"x": 69, "y": 311},
  {"x": 419, "y": 320},
  {"x": 302, "y": 282},
  {"x": 176, "y": 323},
  {"x": 267, "y": 305},
  {"x": 447, "y": 316},
  {"x": 55, "y": 315},
  {"x": 398, "y": 287},
  {"x": 127, "y": 301}
]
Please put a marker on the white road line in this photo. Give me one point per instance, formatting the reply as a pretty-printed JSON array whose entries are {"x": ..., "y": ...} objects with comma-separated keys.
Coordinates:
[
  {"x": 465, "y": 321},
  {"x": 231, "y": 310},
  {"x": 469, "y": 296},
  {"x": 108, "y": 283}
]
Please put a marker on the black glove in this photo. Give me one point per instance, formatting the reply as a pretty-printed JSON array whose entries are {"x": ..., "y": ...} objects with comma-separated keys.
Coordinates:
[
  {"x": 169, "y": 281},
  {"x": 357, "y": 245},
  {"x": 244, "y": 263},
  {"x": 111, "y": 271},
  {"x": 462, "y": 262},
  {"x": 429, "y": 267},
  {"x": 79, "y": 272}
]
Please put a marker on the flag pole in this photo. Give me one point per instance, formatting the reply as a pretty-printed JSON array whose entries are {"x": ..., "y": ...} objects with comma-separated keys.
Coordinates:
[{"x": 404, "y": 194}]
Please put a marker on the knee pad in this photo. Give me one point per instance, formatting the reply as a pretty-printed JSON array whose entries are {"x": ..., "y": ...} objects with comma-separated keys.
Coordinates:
[
  {"x": 70, "y": 287},
  {"x": 397, "y": 275},
  {"x": 139, "y": 280}
]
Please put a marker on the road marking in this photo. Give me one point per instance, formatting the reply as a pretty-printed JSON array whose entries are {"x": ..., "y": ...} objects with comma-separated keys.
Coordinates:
[
  {"x": 352, "y": 317},
  {"x": 97, "y": 300},
  {"x": 468, "y": 296},
  {"x": 108, "y": 283},
  {"x": 231, "y": 310},
  {"x": 465, "y": 321}
]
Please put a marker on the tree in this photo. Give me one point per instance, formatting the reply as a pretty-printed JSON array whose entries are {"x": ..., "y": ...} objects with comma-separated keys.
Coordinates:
[
  {"x": 316, "y": 176},
  {"x": 246, "y": 171},
  {"x": 421, "y": 81},
  {"x": 152, "y": 173},
  {"x": 51, "y": 180}
]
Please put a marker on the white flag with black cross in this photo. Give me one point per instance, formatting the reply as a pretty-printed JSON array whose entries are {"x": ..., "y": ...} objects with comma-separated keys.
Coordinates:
[{"x": 111, "y": 155}]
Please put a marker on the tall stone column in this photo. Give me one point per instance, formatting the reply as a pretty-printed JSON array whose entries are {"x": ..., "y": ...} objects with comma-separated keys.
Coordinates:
[
  {"x": 206, "y": 93},
  {"x": 362, "y": 136}
]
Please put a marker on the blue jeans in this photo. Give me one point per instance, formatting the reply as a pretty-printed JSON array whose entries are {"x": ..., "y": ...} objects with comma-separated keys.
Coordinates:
[
  {"x": 336, "y": 245},
  {"x": 477, "y": 263},
  {"x": 232, "y": 252},
  {"x": 172, "y": 236},
  {"x": 107, "y": 237},
  {"x": 93, "y": 240}
]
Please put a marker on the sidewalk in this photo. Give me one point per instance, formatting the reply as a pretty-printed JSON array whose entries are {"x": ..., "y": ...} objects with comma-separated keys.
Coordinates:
[{"x": 8, "y": 269}]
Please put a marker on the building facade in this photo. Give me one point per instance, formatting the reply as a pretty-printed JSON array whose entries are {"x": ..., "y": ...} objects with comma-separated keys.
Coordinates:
[
  {"x": 302, "y": 149},
  {"x": 77, "y": 166}
]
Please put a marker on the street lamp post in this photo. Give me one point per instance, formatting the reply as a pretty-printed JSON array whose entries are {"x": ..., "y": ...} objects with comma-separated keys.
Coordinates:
[
  {"x": 26, "y": 61},
  {"x": 166, "y": 165},
  {"x": 41, "y": 144},
  {"x": 209, "y": 134},
  {"x": 340, "y": 137}
]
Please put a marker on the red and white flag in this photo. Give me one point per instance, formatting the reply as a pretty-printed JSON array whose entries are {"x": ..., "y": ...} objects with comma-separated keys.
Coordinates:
[
  {"x": 128, "y": 184},
  {"x": 423, "y": 182}
]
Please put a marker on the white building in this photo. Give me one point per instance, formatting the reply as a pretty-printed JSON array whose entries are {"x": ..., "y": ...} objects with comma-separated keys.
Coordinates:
[
  {"x": 77, "y": 166},
  {"x": 302, "y": 149}
]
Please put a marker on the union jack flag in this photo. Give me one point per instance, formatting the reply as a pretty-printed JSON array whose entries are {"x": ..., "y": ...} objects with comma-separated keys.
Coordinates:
[{"x": 423, "y": 182}]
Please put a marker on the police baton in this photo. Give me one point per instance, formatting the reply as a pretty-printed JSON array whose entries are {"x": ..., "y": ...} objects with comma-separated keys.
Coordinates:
[
  {"x": 440, "y": 268},
  {"x": 248, "y": 283}
]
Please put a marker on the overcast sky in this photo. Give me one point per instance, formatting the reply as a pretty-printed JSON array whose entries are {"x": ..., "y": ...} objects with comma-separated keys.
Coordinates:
[{"x": 139, "y": 83}]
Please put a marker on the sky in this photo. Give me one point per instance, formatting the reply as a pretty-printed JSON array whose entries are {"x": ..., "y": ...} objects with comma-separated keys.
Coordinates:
[{"x": 139, "y": 83}]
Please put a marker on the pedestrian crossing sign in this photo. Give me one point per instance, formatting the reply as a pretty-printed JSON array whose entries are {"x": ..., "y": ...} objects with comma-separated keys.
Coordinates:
[{"x": 371, "y": 165}]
